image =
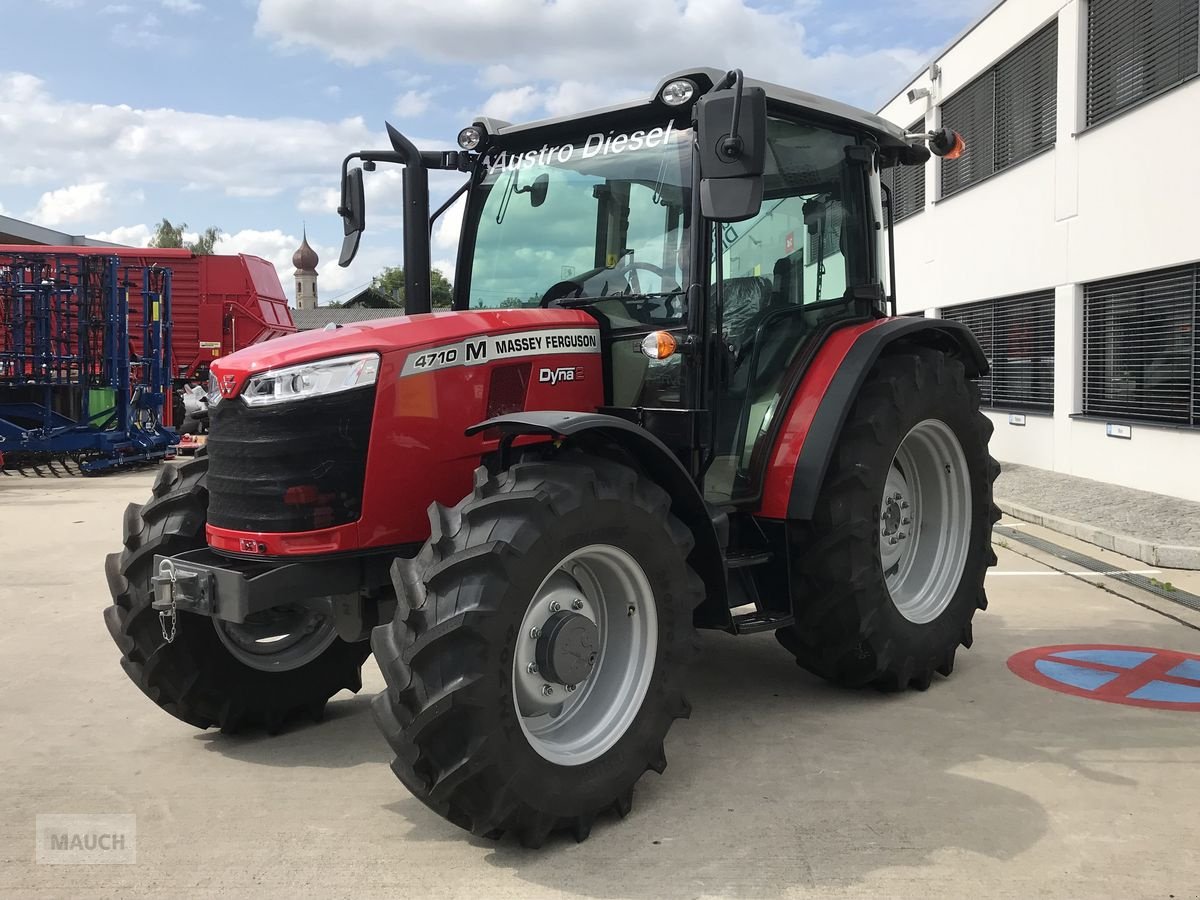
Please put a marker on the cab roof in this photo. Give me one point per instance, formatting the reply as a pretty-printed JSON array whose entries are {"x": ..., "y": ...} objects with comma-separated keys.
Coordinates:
[{"x": 779, "y": 97}]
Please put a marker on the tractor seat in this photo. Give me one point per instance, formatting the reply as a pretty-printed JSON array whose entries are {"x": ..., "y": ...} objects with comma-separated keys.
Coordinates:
[{"x": 744, "y": 299}]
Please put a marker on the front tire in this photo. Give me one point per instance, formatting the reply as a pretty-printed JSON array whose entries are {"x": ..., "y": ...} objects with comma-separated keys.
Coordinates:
[
  {"x": 892, "y": 569},
  {"x": 216, "y": 673},
  {"x": 579, "y": 546}
]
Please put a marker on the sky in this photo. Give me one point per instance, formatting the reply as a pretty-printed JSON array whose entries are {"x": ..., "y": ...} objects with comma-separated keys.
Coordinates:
[{"x": 237, "y": 113}]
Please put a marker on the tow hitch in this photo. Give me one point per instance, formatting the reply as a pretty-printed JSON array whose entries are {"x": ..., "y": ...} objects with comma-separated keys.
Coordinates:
[{"x": 206, "y": 584}]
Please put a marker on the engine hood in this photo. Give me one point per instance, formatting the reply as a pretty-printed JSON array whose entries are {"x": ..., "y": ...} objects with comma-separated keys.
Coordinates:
[{"x": 386, "y": 335}]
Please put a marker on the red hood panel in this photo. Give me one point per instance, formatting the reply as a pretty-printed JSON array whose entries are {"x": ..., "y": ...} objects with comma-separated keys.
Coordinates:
[{"x": 384, "y": 335}]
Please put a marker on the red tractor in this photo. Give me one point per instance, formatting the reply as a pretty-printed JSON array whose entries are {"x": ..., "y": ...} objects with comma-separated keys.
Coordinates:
[{"x": 672, "y": 394}]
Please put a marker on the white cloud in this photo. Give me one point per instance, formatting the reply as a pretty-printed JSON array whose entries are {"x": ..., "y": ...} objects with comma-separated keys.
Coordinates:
[
  {"x": 183, "y": 6},
  {"x": 412, "y": 103},
  {"x": 513, "y": 104},
  {"x": 252, "y": 190},
  {"x": 129, "y": 235},
  {"x": 622, "y": 41},
  {"x": 73, "y": 204},
  {"x": 321, "y": 200},
  {"x": 57, "y": 139}
]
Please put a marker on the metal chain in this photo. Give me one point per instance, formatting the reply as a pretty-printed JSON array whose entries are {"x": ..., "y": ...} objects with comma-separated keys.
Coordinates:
[{"x": 167, "y": 570}]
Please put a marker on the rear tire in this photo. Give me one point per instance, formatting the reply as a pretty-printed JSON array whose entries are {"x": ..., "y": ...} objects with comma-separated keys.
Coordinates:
[
  {"x": 199, "y": 678},
  {"x": 870, "y": 613},
  {"x": 470, "y": 739}
]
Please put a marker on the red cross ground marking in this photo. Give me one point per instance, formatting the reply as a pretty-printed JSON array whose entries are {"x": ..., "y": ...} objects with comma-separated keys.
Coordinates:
[{"x": 1132, "y": 676}]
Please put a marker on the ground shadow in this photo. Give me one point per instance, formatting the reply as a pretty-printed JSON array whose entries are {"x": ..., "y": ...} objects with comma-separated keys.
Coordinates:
[{"x": 346, "y": 737}]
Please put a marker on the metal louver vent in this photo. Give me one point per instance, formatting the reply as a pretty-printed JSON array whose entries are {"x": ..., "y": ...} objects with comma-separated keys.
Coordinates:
[
  {"x": 1139, "y": 347},
  {"x": 1007, "y": 114},
  {"x": 1136, "y": 49},
  {"x": 907, "y": 184},
  {"x": 1017, "y": 336}
]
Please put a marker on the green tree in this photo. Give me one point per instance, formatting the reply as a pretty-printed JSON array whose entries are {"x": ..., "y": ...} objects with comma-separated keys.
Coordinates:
[
  {"x": 204, "y": 245},
  {"x": 390, "y": 283},
  {"x": 168, "y": 236}
]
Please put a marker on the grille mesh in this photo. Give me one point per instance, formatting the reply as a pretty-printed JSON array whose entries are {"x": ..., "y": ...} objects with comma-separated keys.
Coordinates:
[{"x": 297, "y": 466}]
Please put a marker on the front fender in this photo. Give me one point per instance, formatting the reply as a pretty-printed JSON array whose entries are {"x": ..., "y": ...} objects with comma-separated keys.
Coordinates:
[{"x": 658, "y": 462}]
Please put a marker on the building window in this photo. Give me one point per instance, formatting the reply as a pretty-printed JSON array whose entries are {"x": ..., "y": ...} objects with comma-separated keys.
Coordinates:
[
  {"x": 1017, "y": 336},
  {"x": 1136, "y": 49},
  {"x": 1005, "y": 115},
  {"x": 907, "y": 184},
  {"x": 1139, "y": 347}
]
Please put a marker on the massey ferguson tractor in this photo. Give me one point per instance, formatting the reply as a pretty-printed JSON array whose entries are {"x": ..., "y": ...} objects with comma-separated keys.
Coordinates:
[{"x": 672, "y": 394}]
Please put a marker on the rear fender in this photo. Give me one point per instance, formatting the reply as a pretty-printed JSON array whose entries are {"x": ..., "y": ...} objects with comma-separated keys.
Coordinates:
[
  {"x": 819, "y": 408},
  {"x": 659, "y": 463}
]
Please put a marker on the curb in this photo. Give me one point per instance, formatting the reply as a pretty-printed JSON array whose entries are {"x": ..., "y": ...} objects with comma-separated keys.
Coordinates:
[{"x": 1169, "y": 556}]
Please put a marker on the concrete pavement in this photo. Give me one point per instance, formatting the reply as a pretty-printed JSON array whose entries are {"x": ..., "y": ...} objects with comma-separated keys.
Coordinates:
[
  {"x": 1154, "y": 528},
  {"x": 779, "y": 785}
]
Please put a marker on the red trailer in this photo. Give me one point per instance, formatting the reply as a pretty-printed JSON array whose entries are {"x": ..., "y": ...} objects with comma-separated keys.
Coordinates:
[{"x": 219, "y": 303}]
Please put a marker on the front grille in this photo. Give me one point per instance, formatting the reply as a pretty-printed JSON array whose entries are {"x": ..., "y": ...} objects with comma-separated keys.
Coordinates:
[{"x": 298, "y": 466}]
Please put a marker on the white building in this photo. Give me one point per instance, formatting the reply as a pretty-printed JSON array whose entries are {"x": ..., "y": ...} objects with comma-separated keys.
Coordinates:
[{"x": 1067, "y": 235}]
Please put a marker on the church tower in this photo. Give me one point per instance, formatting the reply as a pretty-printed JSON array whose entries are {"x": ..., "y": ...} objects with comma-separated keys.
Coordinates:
[{"x": 305, "y": 260}]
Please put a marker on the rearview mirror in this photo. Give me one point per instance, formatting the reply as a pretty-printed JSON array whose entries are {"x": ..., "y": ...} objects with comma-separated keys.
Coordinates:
[
  {"x": 536, "y": 190},
  {"x": 731, "y": 130},
  {"x": 354, "y": 214}
]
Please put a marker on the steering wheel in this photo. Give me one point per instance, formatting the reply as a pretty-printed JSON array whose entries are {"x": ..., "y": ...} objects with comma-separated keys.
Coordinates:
[
  {"x": 563, "y": 290},
  {"x": 629, "y": 272}
]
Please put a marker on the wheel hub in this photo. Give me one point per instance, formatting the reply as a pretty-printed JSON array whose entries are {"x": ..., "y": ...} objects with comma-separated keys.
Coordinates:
[
  {"x": 585, "y": 654},
  {"x": 566, "y": 651}
]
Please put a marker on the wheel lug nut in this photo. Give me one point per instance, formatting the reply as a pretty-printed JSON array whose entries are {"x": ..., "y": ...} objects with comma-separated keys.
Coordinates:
[
  {"x": 535, "y": 632},
  {"x": 904, "y": 505},
  {"x": 577, "y": 604},
  {"x": 555, "y": 606},
  {"x": 532, "y": 668},
  {"x": 902, "y": 535},
  {"x": 570, "y": 688},
  {"x": 547, "y": 690},
  {"x": 906, "y": 521}
]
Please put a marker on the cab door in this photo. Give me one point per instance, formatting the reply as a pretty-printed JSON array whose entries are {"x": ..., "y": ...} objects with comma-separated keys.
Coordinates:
[{"x": 803, "y": 265}]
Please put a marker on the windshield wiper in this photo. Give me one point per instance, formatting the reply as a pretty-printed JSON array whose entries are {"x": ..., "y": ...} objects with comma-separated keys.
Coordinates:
[{"x": 572, "y": 302}]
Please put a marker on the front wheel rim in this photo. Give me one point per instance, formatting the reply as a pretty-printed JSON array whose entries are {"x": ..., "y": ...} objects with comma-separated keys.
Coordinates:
[
  {"x": 279, "y": 639},
  {"x": 925, "y": 521},
  {"x": 572, "y": 722}
]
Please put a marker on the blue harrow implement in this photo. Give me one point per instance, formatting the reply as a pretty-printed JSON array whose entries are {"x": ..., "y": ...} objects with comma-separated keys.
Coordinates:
[{"x": 74, "y": 394}]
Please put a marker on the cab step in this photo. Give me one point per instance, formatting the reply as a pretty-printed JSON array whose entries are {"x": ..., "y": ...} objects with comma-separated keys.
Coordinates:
[
  {"x": 754, "y": 622},
  {"x": 745, "y": 560}
]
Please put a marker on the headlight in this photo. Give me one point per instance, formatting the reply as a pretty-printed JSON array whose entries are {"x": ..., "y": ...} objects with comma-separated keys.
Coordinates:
[
  {"x": 214, "y": 389},
  {"x": 312, "y": 379}
]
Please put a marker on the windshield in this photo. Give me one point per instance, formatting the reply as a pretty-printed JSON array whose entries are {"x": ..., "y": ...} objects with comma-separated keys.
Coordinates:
[{"x": 606, "y": 216}]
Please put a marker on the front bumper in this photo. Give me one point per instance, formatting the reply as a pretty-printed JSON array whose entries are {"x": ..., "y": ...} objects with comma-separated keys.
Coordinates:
[{"x": 203, "y": 583}]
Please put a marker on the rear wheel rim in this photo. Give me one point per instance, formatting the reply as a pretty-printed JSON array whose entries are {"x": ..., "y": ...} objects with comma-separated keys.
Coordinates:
[
  {"x": 925, "y": 521},
  {"x": 574, "y": 724},
  {"x": 279, "y": 639}
]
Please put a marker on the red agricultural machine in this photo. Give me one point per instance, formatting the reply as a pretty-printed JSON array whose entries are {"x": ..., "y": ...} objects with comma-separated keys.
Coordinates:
[{"x": 672, "y": 394}]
